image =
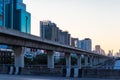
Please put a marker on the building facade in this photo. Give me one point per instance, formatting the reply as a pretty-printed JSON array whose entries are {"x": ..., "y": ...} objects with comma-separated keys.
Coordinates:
[
  {"x": 13, "y": 15},
  {"x": 50, "y": 31},
  {"x": 1, "y": 12},
  {"x": 85, "y": 44},
  {"x": 74, "y": 42},
  {"x": 65, "y": 38},
  {"x": 99, "y": 50}
]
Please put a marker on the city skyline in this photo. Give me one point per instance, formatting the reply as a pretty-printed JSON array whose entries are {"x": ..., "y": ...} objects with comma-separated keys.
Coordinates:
[{"x": 96, "y": 19}]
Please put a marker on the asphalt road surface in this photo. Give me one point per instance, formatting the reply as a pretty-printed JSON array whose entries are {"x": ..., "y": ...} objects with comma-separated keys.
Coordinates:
[{"x": 32, "y": 77}]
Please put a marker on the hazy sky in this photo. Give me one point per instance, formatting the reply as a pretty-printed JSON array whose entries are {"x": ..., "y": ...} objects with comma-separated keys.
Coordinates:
[{"x": 96, "y": 19}]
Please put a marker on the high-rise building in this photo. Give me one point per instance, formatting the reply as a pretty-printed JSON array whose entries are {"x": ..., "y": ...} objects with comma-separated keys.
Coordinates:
[
  {"x": 1, "y": 12},
  {"x": 99, "y": 50},
  {"x": 49, "y": 31},
  {"x": 74, "y": 42},
  {"x": 13, "y": 15},
  {"x": 85, "y": 44},
  {"x": 60, "y": 36},
  {"x": 65, "y": 36},
  {"x": 110, "y": 53}
]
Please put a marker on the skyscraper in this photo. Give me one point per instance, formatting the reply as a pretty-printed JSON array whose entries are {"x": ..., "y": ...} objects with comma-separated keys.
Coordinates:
[
  {"x": 65, "y": 38},
  {"x": 1, "y": 12},
  {"x": 13, "y": 15},
  {"x": 74, "y": 42},
  {"x": 99, "y": 50},
  {"x": 85, "y": 44},
  {"x": 49, "y": 31}
]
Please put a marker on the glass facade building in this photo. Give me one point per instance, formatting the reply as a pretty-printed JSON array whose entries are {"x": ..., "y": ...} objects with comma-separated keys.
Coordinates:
[
  {"x": 1, "y": 12},
  {"x": 85, "y": 44},
  {"x": 13, "y": 15},
  {"x": 50, "y": 31}
]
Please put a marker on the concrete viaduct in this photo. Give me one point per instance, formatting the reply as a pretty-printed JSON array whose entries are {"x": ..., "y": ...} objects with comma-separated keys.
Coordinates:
[{"x": 20, "y": 41}]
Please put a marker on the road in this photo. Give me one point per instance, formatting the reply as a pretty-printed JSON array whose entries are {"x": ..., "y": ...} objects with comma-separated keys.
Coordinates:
[{"x": 32, "y": 77}]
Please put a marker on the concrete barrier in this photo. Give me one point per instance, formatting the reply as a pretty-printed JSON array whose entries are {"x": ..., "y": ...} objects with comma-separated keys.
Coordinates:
[
  {"x": 4, "y": 69},
  {"x": 76, "y": 72},
  {"x": 11, "y": 70},
  {"x": 100, "y": 73},
  {"x": 42, "y": 71}
]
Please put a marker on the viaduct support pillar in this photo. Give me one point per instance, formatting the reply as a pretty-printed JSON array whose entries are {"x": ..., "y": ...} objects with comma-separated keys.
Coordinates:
[
  {"x": 95, "y": 60},
  {"x": 91, "y": 61},
  {"x": 98, "y": 60},
  {"x": 79, "y": 63},
  {"x": 86, "y": 60},
  {"x": 68, "y": 64},
  {"x": 76, "y": 70},
  {"x": 19, "y": 58},
  {"x": 50, "y": 58}
]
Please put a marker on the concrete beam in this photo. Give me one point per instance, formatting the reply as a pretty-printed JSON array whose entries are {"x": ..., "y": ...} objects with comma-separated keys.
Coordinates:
[{"x": 16, "y": 38}]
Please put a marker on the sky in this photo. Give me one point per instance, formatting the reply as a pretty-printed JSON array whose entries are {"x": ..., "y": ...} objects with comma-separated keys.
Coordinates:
[{"x": 95, "y": 19}]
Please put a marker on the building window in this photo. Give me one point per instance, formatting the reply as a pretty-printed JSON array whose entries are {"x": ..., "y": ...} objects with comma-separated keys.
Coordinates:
[{"x": 26, "y": 23}]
